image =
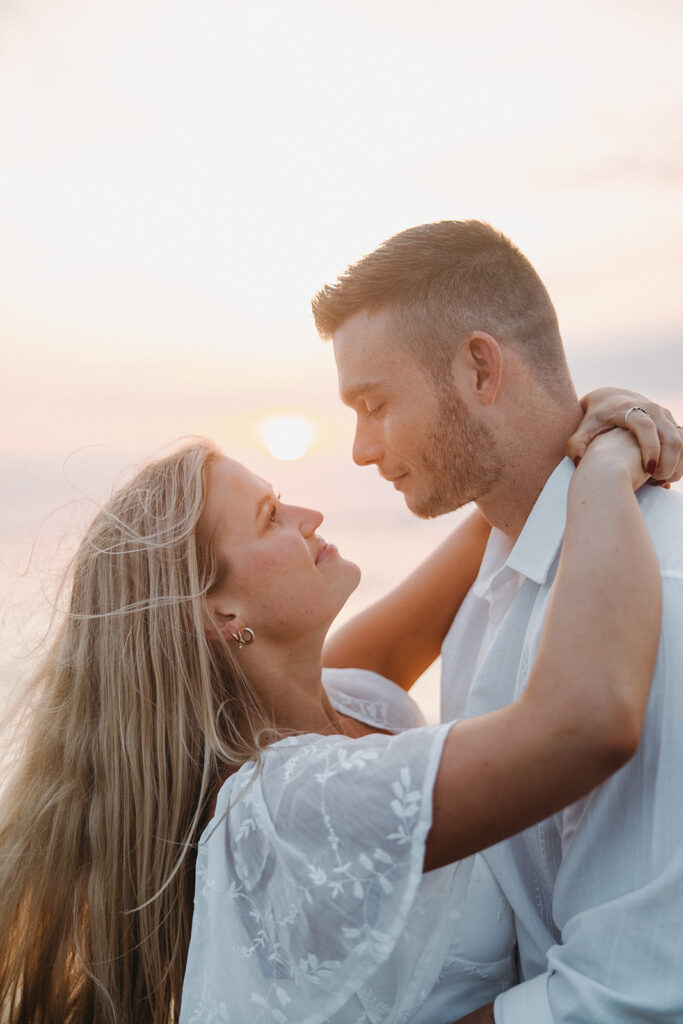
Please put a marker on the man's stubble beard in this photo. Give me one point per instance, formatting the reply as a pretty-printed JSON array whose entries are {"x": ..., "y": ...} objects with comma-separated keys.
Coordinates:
[{"x": 462, "y": 460}]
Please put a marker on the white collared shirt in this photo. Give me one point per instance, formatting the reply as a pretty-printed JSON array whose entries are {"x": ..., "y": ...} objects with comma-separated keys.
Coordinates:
[{"x": 597, "y": 890}]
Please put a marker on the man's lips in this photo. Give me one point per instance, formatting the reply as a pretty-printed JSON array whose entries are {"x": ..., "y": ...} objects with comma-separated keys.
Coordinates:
[{"x": 395, "y": 480}]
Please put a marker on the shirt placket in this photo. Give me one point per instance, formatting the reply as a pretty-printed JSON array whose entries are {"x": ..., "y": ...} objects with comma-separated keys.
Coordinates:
[{"x": 499, "y": 596}]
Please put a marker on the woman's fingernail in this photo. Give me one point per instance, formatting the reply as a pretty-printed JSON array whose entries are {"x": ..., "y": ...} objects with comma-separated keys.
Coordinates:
[
  {"x": 651, "y": 466},
  {"x": 577, "y": 460}
]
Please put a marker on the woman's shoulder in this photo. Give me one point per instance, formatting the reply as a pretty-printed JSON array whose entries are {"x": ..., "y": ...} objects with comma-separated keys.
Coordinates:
[
  {"x": 372, "y": 699},
  {"x": 304, "y": 789},
  {"x": 306, "y": 875},
  {"x": 299, "y": 769}
]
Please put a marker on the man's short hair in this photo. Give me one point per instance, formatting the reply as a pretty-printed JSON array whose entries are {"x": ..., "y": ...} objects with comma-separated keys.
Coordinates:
[{"x": 444, "y": 281}]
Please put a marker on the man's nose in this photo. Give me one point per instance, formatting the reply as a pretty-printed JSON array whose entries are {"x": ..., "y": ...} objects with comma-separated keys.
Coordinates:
[{"x": 367, "y": 446}]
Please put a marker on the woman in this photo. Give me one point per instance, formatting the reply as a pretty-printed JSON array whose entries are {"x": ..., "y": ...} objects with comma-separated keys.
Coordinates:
[{"x": 183, "y": 695}]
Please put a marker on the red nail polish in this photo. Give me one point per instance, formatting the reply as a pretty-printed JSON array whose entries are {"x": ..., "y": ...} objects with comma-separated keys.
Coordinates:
[{"x": 651, "y": 466}]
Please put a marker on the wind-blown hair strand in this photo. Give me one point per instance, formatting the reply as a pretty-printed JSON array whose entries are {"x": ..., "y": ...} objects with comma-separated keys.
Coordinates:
[{"x": 137, "y": 714}]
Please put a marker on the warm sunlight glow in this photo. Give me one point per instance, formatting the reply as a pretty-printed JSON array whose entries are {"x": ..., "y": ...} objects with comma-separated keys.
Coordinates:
[{"x": 287, "y": 437}]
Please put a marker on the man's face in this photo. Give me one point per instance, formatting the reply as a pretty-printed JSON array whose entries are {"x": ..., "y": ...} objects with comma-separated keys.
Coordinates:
[{"x": 421, "y": 437}]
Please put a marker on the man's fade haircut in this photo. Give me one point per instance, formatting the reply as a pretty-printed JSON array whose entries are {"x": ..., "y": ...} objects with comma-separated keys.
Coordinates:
[{"x": 442, "y": 281}]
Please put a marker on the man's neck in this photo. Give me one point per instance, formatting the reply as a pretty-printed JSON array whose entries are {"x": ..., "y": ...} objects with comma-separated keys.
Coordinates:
[{"x": 508, "y": 505}]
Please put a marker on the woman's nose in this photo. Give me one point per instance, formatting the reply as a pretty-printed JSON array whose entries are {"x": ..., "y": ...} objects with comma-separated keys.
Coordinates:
[{"x": 310, "y": 520}]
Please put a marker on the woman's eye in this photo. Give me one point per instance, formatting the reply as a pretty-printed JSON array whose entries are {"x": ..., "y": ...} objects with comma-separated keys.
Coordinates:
[{"x": 274, "y": 508}]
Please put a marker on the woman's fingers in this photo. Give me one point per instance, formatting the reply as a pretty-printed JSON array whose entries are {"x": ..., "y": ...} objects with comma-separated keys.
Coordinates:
[
  {"x": 601, "y": 408},
  {"x": 673, "y": 476},
  {"x": 644, "y": 429},
  {"x": 670, "y": 465},
  {"x": 659, "y": 437},
  {"x": 589, "y": 427}
]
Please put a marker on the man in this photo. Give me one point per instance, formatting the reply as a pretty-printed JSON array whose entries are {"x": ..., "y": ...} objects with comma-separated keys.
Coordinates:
[{"x": 448, "y": 349}]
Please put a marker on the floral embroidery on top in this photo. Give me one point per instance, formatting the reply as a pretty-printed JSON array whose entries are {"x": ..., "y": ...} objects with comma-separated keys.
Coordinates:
[{"x": 315, "y": 923}]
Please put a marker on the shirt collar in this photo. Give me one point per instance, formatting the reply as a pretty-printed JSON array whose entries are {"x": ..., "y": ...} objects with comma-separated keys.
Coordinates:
[
  {"x": 541, "y": 536},
  {"x": 540, "y": 539}
]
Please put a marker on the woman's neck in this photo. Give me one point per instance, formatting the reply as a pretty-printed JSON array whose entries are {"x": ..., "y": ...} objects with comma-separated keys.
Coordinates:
[{"x": 288, "y": 682}]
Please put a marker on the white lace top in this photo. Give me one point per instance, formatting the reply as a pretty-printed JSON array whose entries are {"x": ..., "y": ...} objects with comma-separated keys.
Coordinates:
[{"x": 310, "y": 902}]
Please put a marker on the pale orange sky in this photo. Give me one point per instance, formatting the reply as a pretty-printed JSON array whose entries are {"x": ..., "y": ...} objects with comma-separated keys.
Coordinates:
[{"x": 177, "y": 178}]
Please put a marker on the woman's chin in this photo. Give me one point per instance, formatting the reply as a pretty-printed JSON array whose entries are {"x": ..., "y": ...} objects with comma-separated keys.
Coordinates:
[
  {"x": 352, "y": 576},
  {"x": 355, "y": 575}
]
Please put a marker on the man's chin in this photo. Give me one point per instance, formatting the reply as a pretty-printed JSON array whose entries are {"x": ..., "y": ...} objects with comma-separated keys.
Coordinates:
[{"x": 430, "y": 506}]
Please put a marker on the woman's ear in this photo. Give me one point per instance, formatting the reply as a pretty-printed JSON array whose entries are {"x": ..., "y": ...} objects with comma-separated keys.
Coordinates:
[
  {"x": 221, "y": 621},
  {"x": 480, "y": 367}
]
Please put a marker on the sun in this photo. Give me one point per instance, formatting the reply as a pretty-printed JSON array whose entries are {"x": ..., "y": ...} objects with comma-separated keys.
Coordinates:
[{"x": 287, "y": 437}]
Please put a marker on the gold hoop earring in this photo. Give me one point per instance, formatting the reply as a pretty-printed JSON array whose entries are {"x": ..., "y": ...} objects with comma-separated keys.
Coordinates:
[{"x": 244, "y": 637}]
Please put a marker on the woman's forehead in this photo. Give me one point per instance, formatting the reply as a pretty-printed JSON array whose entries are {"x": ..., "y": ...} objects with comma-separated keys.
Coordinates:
[{"x": 233, "y": 494}]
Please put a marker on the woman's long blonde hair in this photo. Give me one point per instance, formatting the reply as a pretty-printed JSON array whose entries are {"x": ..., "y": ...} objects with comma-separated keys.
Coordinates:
[{"x": 136, "y": 717}]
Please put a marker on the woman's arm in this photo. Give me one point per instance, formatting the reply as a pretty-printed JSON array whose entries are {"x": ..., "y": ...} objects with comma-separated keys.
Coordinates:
[
  {"x": 401, "y": 635},
  {"x": 581, "y": 714},
  {"x": 659, "y": 437}
]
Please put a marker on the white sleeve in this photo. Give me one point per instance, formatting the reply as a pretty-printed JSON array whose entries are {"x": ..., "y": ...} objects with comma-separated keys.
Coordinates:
[
  {"x": 304, "y": 885},
  {"x": 618, "y": 897}
]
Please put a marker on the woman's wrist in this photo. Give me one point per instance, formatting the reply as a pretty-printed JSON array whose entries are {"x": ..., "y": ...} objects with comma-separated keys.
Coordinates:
[
  {"x": 611, "y": 460},
  {"x": 602, "y": 470}
]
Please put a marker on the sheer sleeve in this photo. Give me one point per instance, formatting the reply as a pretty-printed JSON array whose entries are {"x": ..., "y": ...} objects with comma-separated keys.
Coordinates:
[{"x": 306, "y": 876}]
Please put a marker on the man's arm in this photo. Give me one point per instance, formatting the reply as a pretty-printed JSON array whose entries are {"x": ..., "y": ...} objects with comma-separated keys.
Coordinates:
[{"x": 401, "y": 635}]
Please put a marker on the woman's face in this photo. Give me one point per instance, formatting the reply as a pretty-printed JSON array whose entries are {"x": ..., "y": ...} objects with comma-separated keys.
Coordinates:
[{"x": 281, "y": 579}]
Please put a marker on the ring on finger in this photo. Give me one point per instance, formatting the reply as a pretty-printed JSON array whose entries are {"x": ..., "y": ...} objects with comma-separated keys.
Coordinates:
[{"x": 635, "y": 408}]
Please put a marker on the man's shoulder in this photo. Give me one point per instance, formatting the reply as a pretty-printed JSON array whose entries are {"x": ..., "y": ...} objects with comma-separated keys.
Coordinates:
[{"x": 663, "y": 513}]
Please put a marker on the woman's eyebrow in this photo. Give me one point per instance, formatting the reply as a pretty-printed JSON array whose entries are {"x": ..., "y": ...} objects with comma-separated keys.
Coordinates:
[{"x": 266, "y": 500}]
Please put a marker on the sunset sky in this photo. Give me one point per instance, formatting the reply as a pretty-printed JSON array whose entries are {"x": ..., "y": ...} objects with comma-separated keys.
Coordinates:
[{"x": 177, "y": 179}]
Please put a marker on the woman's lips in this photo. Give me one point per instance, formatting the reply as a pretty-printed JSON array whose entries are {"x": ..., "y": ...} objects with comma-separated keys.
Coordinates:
[{"x": 325, "y": 551}]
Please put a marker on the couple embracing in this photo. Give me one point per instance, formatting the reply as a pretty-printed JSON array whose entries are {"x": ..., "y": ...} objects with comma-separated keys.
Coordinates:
[{"x": 219, "y": 815}]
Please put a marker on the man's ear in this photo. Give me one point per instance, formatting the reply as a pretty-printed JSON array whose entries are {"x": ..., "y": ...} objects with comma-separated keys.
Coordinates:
[{"x": 479, "y": 367}]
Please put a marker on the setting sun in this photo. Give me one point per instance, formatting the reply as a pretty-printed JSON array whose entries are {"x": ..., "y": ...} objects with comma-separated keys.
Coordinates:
[{"x": 287, "y": 437}]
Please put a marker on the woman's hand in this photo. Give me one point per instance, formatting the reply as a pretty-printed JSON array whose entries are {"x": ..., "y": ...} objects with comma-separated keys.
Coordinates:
[
  {"x": 613, "y": 454},
  {"x": 659, "y": 437}
]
